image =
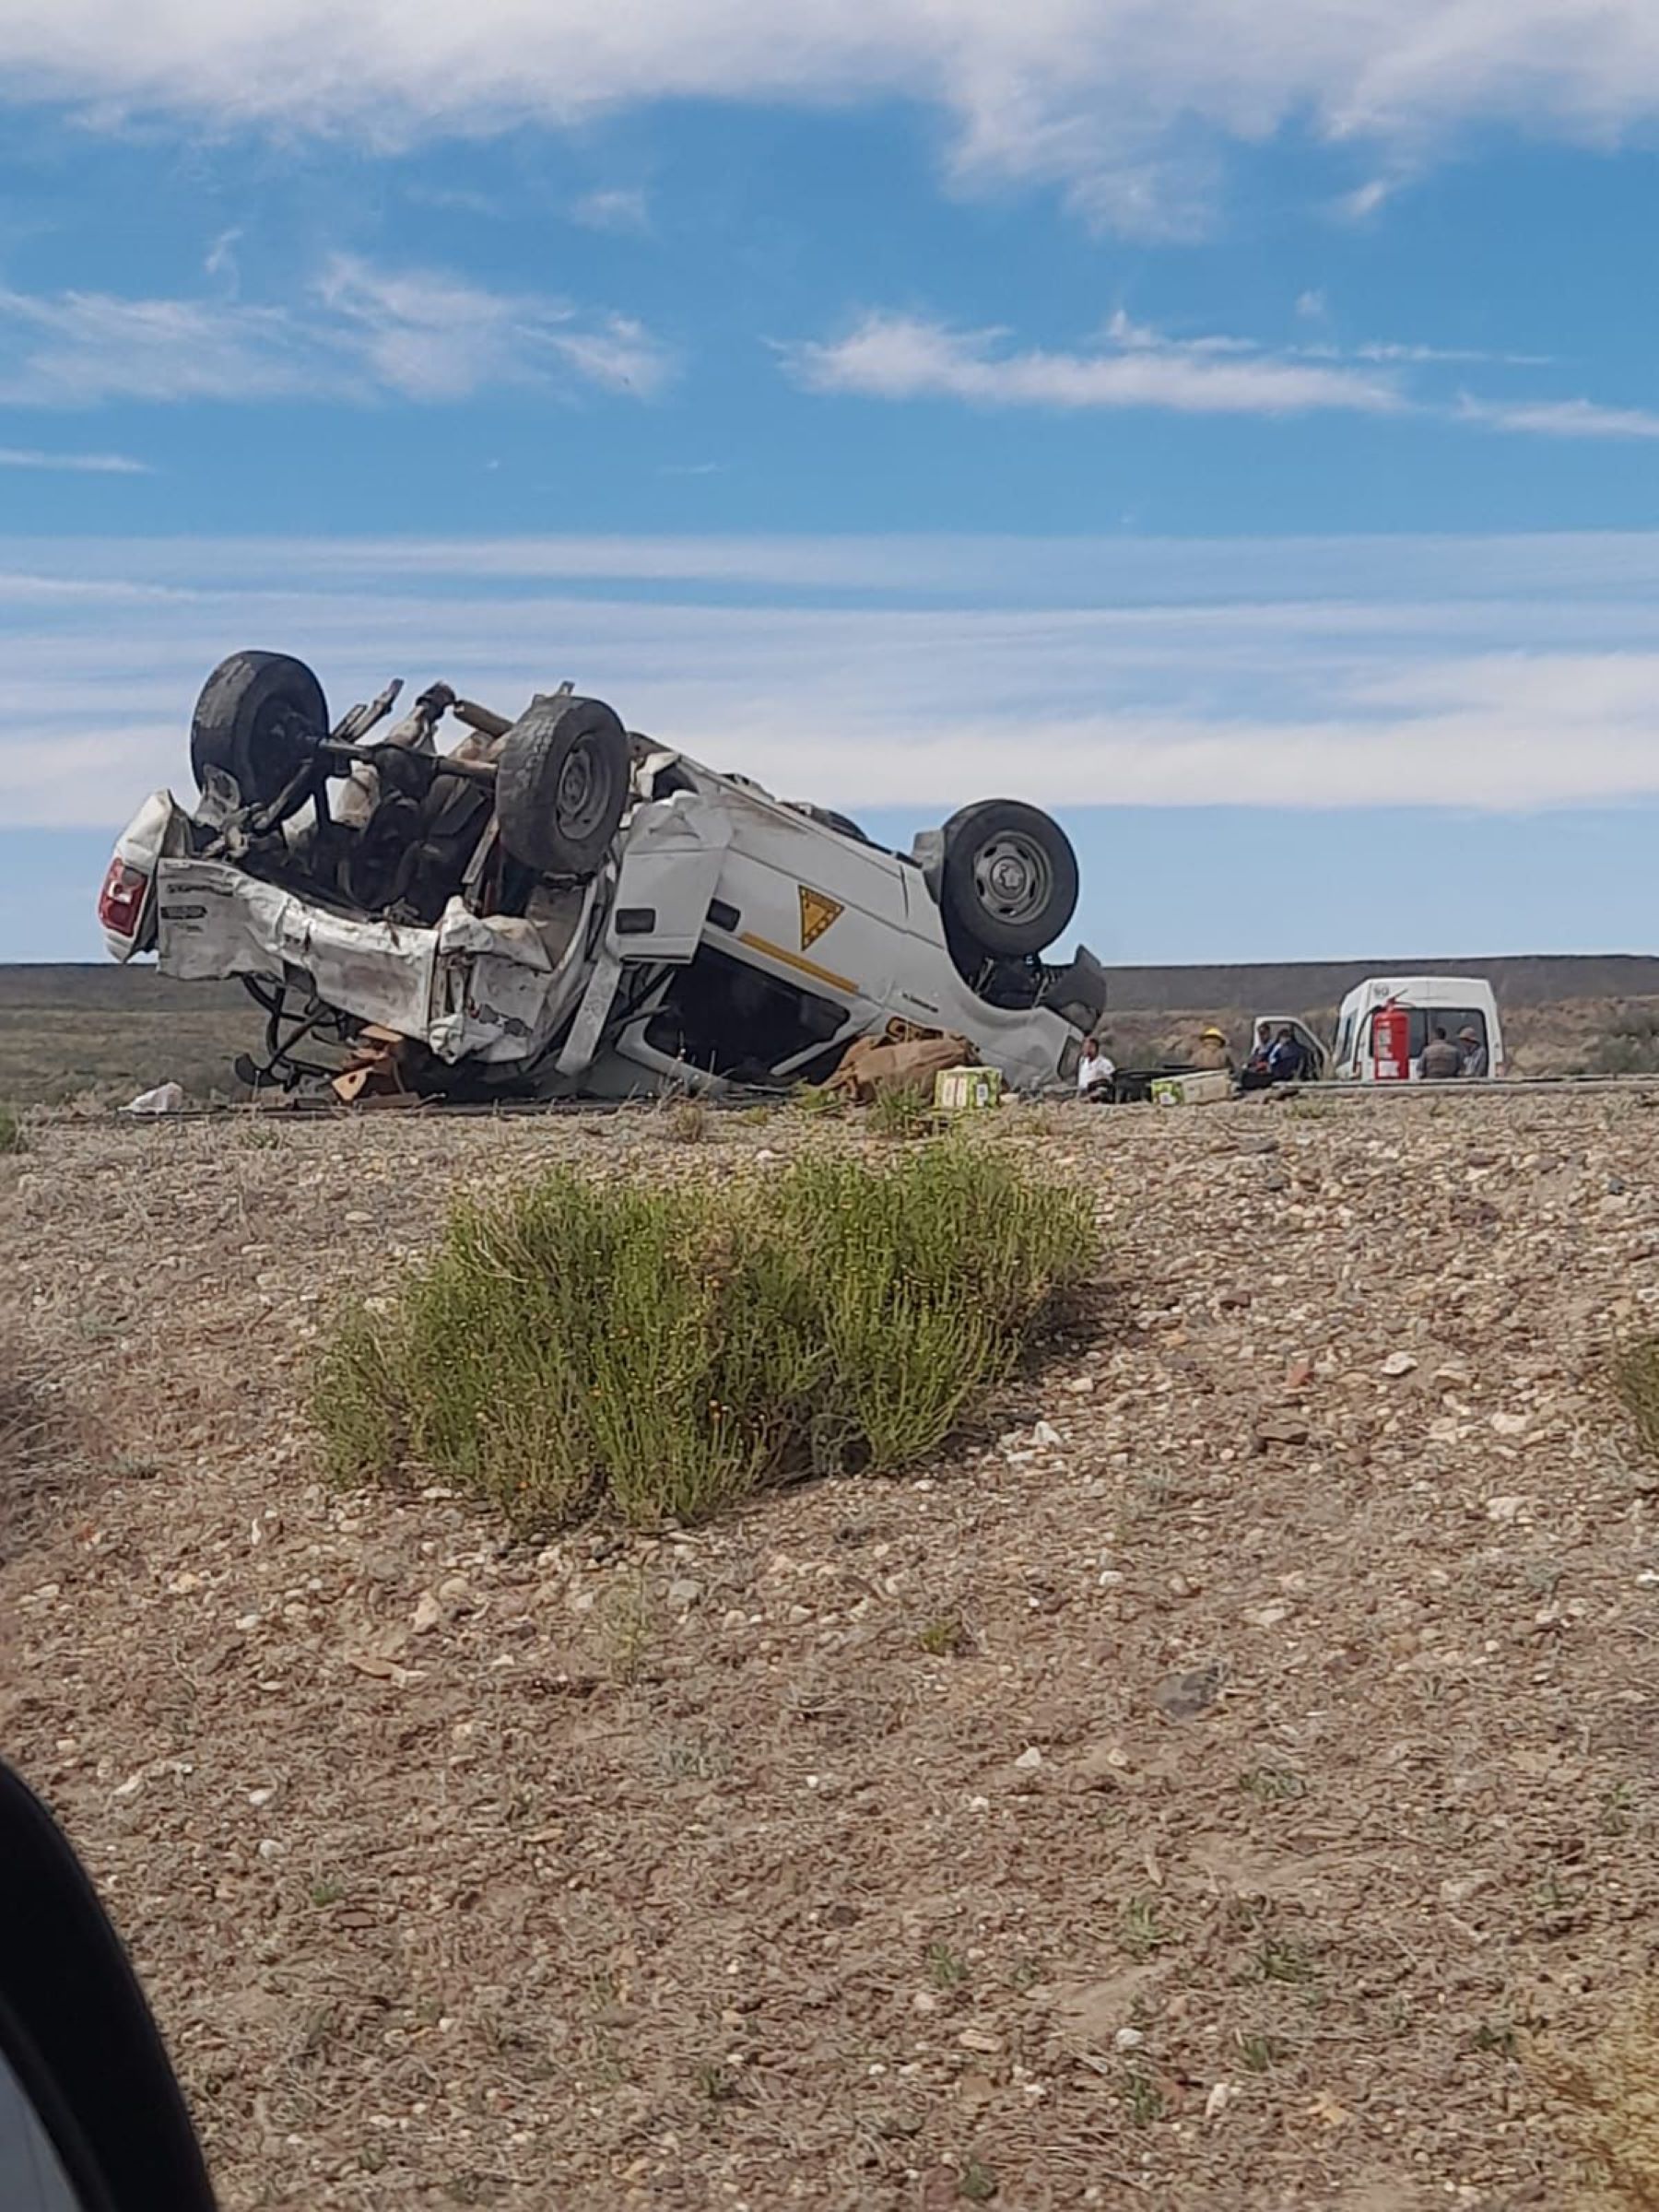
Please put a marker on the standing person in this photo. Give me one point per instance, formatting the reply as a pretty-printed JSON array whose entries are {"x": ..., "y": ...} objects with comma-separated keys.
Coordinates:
[
  {"x": 1212, "y": 1052},
  {"x": 1442, "y": 1061},
  {"x": 1095, "y": 1071},
  {"x": 1475, "y": 1061}
]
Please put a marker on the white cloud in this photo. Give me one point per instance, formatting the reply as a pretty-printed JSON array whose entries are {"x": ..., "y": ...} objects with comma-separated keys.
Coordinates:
[
  {"x": 1498, "y": 673},
  {"x": 433, "y": 336},
  {"x": 1310, "y": 307},
  {"x": 75, "y": 465},
  {"x": 1417, "y": 356},
  {"x": 219, "y": 261},
  {"x": 1560, "y": 418},
  {"x": 78, "y": 349},
  {"x": 1137, "y": 582},
  {"x": 616, "y": 208},
  {"x": 1366, "y": 200},
  {"x": 1124, "y": 103},
  {"x": 360, "y": 332},
  {"x": 909, "y": 356}
]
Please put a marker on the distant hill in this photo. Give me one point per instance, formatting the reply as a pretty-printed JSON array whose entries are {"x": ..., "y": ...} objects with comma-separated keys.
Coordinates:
[
  {"x": 102, "y": 1031},
  {"x": 106, "y": 1032},
  {"x": 140, "y": 989},
  {"x": 1518, "y": 979}
]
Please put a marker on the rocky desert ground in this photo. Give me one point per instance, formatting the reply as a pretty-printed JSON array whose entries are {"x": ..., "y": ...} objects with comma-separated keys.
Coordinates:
[{"x": 1222, "y": 1783}]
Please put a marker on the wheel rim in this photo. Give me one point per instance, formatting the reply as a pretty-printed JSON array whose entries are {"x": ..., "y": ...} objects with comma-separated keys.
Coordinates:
[
  {"x": 580, "y": 803},
  {"x": 1012, "y": 877}
]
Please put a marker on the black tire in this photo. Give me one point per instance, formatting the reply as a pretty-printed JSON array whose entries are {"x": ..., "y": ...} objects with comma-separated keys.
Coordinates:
[
  {"x": 561, "y": 785},
  {"x": 1009, "y": 879},
  {"x": 244, "y": 720}
]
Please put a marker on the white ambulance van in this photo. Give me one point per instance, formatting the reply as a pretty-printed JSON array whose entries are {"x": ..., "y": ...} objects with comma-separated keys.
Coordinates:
[{"x": 1452, "y": 1003}]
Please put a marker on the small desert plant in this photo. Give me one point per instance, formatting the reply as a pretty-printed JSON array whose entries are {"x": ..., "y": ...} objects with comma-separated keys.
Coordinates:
[
  {"x": 902, "y": 1113},
  {"x": 670, "y": 1351},
  {"x": 686, "y": 1119},
  {"x": 24, "y": 1413},
  {"x": 1143, "y": 2100},
  {"x": 1629, "y": 1044},
  {"x": 947, "y": 1636},
  {"x": 946, "y": 1968},
  {"x": 1141, "y": 1929},
  {"x": 821, "y": 1104},
  {"x": 12, "y": 1139},
  {"x": 1283, "y": 1958},
  {"x": 977, "y": 2183},
  {"x": 1636, "y": 1379}
]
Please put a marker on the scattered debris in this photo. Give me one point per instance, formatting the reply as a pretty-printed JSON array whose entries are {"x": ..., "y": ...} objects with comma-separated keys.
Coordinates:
[
  {"x": 166, "y": 1098},
  {"x": 908, "y": 1060}
]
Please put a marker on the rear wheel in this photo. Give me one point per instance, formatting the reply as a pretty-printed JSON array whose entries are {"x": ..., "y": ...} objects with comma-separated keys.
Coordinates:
[
  {"x": 1009, "y": 879},
  {"x": 254, "y": 722},
  {"x": 561, "y": 785}
]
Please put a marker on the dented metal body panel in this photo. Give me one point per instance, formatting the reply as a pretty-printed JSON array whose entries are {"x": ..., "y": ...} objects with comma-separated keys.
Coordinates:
[
  {"x": 474, "y": 986},
  {"x": 724, "y": 936}
]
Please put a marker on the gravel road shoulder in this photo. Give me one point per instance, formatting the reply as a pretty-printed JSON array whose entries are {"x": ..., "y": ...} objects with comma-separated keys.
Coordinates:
[{"x": 1196, "y": 1792}]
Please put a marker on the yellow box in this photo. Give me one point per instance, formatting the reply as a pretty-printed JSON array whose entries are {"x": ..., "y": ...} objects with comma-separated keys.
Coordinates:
[{"x": 1204, "y": 1087}]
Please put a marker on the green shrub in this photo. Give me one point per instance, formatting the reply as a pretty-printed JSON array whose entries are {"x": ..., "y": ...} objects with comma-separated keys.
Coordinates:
[
  {"x": 903, "y": 1113},
  {"x": 12, "y": 1139},
  {"x": 671, "y": 1351},
  {"x": 815, "y": 1099}
]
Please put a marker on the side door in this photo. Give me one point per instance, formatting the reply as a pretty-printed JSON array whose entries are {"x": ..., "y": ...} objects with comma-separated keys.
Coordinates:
[
  {"x": 1317, "y": 1059},
  {"x": 809, "y": 907}
]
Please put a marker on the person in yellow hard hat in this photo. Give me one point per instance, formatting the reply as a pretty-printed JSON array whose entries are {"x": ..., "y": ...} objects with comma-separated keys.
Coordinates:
[{"x": 1212, "y": 1050}]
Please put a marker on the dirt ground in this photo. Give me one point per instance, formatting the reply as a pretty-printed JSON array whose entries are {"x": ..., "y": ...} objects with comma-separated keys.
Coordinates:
[{"x": 1201, "y": 1792}]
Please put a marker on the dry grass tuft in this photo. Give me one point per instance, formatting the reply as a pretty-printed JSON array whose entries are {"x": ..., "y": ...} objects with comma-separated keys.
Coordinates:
[
  {"x": 28, "y": 1426},
  {"x": 667, "y": 1352},
  {"x": 1636, "y": 1379},
  {"x": 1611, "y": 2093},
  {"x": 687, "y": 1121}
]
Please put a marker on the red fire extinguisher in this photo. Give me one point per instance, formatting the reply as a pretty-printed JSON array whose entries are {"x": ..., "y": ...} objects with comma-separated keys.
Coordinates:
[{"x": 1391, "y": 1044}]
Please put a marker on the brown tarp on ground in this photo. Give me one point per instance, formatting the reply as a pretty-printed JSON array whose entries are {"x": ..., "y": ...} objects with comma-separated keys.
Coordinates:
[{"x": 871, "y": 1065}]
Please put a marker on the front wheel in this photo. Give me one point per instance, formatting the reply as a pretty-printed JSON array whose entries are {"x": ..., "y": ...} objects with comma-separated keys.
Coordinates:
[
  {"x": 561, "y": 785},
  {"x": 1010, "y": 877}
]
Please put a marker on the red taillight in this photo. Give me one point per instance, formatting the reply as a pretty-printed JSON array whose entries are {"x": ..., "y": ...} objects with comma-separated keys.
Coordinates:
[{"x": 121, "y": 902}]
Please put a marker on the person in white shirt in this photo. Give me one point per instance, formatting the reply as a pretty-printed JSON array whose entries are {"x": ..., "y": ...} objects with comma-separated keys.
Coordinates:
[{"x": 1095, "y": 1071}]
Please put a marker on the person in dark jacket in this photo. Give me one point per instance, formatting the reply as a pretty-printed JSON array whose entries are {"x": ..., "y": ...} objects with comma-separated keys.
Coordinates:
[
  {"x": 1441, "y": 1060},
  {"x": 1287, "y": 1062}
]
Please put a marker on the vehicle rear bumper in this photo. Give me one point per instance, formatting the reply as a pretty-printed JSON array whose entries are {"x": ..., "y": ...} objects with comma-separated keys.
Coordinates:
[{"x": 471, "y": 987}]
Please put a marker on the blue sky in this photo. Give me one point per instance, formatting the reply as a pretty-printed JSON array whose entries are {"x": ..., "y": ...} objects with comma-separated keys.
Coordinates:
[{"x": 1234, "y": 428}]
